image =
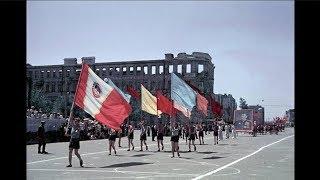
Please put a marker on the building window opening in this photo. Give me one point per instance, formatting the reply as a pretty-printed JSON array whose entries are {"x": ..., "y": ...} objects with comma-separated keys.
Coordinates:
[
  {"x": 124, "y": 70},
  {"x": 160, "y": 69},
  {"x": 188, "y": 68},
  {"x": 41, "y": 75},
  {"x": 68, "y": 73},
  {"x": 200, "y": 68},
  {"x": 153, "y": 69},
  {"x": 179, "y": 68},
  {"x": 145, "y": 69},
  {"x": 131, "y": 70},
  {"x": 138, "y": 70},
  {"x": 170, "y": 68}
]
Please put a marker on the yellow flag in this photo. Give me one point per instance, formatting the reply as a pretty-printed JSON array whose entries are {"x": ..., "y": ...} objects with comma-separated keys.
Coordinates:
[{"x": 148, "y": 102}]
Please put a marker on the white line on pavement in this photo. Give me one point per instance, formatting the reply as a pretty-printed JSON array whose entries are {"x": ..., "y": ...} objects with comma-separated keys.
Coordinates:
[{"x": 234, "y": 162}]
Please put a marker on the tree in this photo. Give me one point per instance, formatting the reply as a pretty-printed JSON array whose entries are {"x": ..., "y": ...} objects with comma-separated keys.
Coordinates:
[
  {"x": 243, "y": 103},
  {"x": 40, "y": 101}
]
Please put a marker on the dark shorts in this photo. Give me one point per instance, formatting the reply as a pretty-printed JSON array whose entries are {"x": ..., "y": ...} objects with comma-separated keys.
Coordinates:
[
  {"x": 41, "y": 141},
  {"x": 74, "y": 143},
  {"x": 143, "y": 137},
  {"x": 215, "y": 133},
  {"x": 112, "y": 137},
  {"x": 200, "y": 133},
  {"x": 192, "y": 137},
  {"x": 175, "y": 138},
  {"x": 130, "y": 136},
  {"x": 160, "y": 136},
  {"x": 187, "y": 134}
]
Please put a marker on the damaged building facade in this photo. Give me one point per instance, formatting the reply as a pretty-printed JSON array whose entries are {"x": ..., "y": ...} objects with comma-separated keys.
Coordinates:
[{"x": 61, "y": 80}]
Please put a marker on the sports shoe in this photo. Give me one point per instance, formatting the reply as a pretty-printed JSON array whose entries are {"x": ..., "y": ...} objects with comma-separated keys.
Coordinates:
[{"x": 69, "y": 165}]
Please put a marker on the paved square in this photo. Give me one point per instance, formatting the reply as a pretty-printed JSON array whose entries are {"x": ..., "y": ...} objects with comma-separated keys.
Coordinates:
[{"x": 247, "y": 157}]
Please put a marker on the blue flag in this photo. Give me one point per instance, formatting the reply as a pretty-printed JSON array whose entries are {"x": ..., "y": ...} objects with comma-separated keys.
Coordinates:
[{"x": 183, "y": 96}]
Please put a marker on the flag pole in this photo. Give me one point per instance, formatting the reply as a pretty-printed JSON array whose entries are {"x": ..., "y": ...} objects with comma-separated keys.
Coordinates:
[{"x": 75, "y": 95}]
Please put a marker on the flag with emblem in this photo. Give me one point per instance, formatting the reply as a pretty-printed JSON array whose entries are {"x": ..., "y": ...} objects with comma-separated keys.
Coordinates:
[{"x": 102, "y": 101}]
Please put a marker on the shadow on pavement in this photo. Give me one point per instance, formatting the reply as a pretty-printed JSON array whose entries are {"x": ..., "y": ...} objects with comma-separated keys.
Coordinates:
[
  {"x": 207, "y": 152},
  {"x": 140, "y": 155},
  {"x": 179, "y": 151},
  {"x": 126, "y": 164},
  {"x": 223, "y": 144},
  {"x": 213, "y": 157}
]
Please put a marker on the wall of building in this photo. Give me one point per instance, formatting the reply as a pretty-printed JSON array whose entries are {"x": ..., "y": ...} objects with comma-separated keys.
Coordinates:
[
  {"x": 61, "y": 80},
  {"x": 229, "y": 104}
]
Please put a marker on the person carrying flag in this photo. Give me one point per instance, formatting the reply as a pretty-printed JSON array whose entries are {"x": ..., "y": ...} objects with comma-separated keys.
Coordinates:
[
  {"x": 112, "y": 139},
  {"x": 175, "y": 139},
  {"x": 74, "y": 140},
  {"x": 192, "y": 133},
  {"x": 130, "y": 136},
  {"x": 143, "y": 135}
]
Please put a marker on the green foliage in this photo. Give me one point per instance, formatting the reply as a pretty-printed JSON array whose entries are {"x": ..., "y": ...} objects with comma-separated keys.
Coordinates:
[
  {"x": 243, "y": 103},
  {"x": 40, "y": 101}
]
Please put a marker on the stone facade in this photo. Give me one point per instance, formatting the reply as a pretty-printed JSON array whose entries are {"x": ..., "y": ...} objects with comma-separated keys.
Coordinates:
[
  {"x": 229, "y": 105},
  {"x": 61, "y": 80}
]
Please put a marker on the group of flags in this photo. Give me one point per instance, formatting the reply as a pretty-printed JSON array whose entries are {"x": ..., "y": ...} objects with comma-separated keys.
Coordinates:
[{"x": 104, "y": 101}]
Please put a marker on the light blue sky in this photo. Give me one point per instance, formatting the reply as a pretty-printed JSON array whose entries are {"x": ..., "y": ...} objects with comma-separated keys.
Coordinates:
[{"x": 251, "y": 42}]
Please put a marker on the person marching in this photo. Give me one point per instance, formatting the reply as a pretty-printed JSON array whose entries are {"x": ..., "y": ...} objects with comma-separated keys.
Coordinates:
[
  {"x": 200, "y": 128},
  {"x": 192, "y": 134},
  {"x": 160, "y": 131},
  {"x": 42, "y": 138},
  {"x": 143, "y": 135},
  {"x": 186, "y": 129},
  {"x": 175, "y": 139},
  {"x": 130, "y": 136},
  {"x": 215, "y": 132},
  {"x": 112, "y": 139},
  {"x": 234, "y": 132},
  {"x": 121, "y": 133},
  {"x": 74, "y": 140},
  {"x": 227, "y": 129},
  {"x": 153, "y": 132},
  {"x": 220, "y": 133}
]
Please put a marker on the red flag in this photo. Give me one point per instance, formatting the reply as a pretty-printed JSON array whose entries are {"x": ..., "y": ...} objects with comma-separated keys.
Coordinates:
[
  {"x": 133, "y": 92},
  {"x": 215, "y": 107},
  {"x": 100, "y": 100},
  {"x": 202, "y": 104},
  {"x": 195, "y": 88},
  {"x": 164, "y": 104}
]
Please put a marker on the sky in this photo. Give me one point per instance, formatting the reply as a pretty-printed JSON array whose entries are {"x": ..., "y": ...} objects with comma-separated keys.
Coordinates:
[{"x": 251, "y": 42}]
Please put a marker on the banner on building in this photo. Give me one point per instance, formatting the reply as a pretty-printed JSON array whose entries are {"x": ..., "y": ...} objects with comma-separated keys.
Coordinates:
[{"x": 243, "y": 120}]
